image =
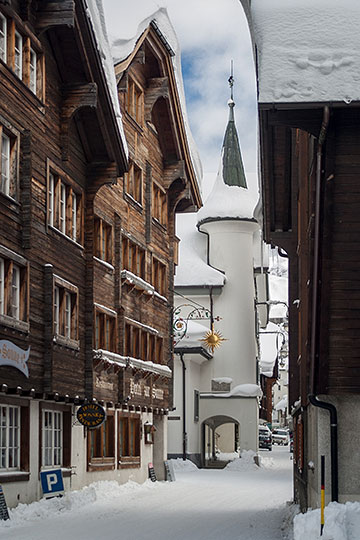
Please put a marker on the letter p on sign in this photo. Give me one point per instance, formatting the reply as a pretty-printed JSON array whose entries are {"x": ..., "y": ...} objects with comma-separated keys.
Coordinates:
[{"x": 52, "y": 483}]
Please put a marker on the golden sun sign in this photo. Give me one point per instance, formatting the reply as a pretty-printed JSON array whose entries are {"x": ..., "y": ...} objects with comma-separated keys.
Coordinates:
[{"x": 212, "y": 339}]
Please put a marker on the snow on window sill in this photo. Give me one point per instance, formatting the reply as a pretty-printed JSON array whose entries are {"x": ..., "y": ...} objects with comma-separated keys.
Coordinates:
[
  {"x": 138, "y": 282},
  {"x": 105, "y": 263}
]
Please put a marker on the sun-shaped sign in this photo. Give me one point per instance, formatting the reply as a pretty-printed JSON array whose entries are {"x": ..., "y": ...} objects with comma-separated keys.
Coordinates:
[{"x": 212, "y": 339}]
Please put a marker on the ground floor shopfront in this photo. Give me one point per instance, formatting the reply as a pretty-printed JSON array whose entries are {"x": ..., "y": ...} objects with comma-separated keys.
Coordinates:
[{"x": 36, "y": 435}]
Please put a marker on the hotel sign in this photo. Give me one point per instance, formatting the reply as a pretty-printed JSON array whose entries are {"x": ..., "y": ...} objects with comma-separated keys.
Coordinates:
[
  {"x": 91, "y": 415},
  {"x": 141, "y": 389},
  {"x": 12, "y": 355}
]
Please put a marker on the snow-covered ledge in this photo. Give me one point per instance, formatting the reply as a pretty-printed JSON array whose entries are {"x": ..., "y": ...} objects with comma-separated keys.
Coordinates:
[
  {"x": 128, "y": 361},
  {"x": 242, "y": 390},
  {"x": 138, "y": 282}
]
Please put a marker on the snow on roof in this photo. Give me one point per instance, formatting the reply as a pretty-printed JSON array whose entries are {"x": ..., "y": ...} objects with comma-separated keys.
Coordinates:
[
  {"x": 193, "y": 269},
  {"x": 227, "y": 202},
  {"x": 307, "y": 51},
  {"x": 194, "y": 333},
  {"x": 130, "y": 29},
  {"x": 261, "y": 251},
  {"x": 242, "y": 390},
  {"x": 96, "y": 15},
  {"x": 268, "y": 349},
  {"x": 278, "y": 291},
  {"x": 282, "y": 404}
]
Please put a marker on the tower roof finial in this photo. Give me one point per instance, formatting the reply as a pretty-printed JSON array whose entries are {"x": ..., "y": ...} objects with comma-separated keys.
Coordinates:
[{"x": 231, "y": 80}]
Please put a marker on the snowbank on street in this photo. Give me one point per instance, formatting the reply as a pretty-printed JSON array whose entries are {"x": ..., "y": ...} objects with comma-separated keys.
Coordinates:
[{"x": 342, "y": 522}]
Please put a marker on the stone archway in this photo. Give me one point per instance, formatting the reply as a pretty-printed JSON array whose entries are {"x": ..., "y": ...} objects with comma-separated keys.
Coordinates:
[{"x": 216, "y": 428}]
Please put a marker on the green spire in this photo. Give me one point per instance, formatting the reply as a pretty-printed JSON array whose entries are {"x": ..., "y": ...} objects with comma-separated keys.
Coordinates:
[{"x": 233, "y": 169}]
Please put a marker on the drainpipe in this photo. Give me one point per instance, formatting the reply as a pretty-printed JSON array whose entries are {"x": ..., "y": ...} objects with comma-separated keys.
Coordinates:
[
  {"x": 312, "y": 397},
  {"x": 184, "y": 434}
]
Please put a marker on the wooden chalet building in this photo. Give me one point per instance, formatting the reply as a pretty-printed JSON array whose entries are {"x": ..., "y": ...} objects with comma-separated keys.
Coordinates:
[
  {"x": 310, "y": 167},
  {"x": 86, "y": 253}
]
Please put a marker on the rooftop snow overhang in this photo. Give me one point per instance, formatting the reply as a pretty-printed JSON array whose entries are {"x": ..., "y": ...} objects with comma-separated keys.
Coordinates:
[{"x": 174, "y": 140}]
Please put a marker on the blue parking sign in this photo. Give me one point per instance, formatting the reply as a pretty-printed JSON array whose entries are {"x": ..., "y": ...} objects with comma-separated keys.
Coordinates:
[{"x": 52, "y": 483}]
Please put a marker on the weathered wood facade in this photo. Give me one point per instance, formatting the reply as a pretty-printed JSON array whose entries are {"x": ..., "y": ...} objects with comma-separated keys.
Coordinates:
[
  {"x": 310, "y": 170},
  {"x": 87, "y": 246}
]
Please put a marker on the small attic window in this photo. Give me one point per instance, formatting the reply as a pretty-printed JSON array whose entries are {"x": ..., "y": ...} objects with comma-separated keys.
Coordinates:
[{"x": 135, "y": 102}]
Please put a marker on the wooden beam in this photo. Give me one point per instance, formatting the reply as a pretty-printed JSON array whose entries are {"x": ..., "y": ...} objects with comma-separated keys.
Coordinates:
[
  {"x": 174, "y": 171},
  {"x": 99, "y": 174},
  {"x": 51, "y": 14},
  {"x": 75, "y": 96}
]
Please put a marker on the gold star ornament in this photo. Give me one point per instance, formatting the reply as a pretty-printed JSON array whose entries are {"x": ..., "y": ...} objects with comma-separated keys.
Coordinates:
[{"x": 212, "y": 339}]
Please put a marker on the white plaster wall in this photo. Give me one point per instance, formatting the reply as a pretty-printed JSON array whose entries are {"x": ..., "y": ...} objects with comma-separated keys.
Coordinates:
[
  {"x": 175, "y": 427},
  {"x": 231, "y": 250},
  {"x": 244, "y": 410},
  {"x": 225, "y": 441},
  {"x": 318, "y": 435}
]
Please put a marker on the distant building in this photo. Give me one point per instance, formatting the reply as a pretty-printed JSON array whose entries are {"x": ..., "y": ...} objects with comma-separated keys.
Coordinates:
[{"x": 216, "y": 394}]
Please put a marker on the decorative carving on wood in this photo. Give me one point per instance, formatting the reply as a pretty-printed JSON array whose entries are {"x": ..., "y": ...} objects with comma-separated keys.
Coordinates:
[
  {"x": 75, "y": 96},
  {"x": 50, "y": 14},
  {"x": 157, "y": 88}
]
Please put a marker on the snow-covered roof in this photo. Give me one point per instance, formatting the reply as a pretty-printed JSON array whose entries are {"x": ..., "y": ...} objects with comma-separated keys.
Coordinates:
[
  {"x": 193, "y": 270},
  {"x": 96, "y": 15},
  {"x": 130, "y": 29},
  {"x": 278, "y": 292},
  {"x": 227, "y": 202},
  {"x": 282, "y": 404},
  {"x": 194, "y": 333},
  {"x": 268, "y": 349},
  {"x": 308, "y": 51}
]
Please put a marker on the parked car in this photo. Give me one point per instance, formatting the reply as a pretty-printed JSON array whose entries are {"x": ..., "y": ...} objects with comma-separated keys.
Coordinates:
[
  {"x": 280, "y": 436},
  {"x": 265, "y": 438}
]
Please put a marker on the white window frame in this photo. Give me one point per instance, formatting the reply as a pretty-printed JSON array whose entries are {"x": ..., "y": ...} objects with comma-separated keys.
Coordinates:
[
  {"x": 3, "y": 38},
  {"x": 32, "y": 74},
  {"x": 10, "y": 430},
  {"x": 18, "y": 54},
  {"x": 56, "y": 309},
  {"x": 73, "y": 216},
  {"x": 15, "y": 292},
  {"x": 62, "y": 209},
  {"x": 52, "y": 438},
  {"x": 51, "y": 199},
  {"x": 67, "y": 322},
  {"x": 5, "y": 163}
]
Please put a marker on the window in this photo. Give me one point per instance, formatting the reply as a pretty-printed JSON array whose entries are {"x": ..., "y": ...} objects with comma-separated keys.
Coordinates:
[
  {"x": 32, "y": 68},
  {"x": 101, "y": 444},
  {"x": 129, "y": 438},
  {"x": 133, "y": 182},
  {"x": 196, "y": 405},
  {"x": 3, "y": 36},
  {"x": 141, "y": 344},
  {"x": 159, "y": 205},
  {"x": 18, "y": 54},
  {"x": 65, "y": 310},
  {"x": 8, "y": 162},
  {"x": 135, "y": 101},
  {"x": 13, "y": 288},
  {"x": 105, "y": 330},
  {"x": 159, "y": 276},
  {"x": 9, "y": 437},
  {"x": 103, "y": 240},
  {"x": 65, "y": 208},
  {"x": 133, "y": 257},
  {"x": 52, "y": 438}
]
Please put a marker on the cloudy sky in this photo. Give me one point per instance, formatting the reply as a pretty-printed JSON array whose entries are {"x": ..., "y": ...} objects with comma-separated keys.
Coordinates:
[{"x": 211, "y": 34}]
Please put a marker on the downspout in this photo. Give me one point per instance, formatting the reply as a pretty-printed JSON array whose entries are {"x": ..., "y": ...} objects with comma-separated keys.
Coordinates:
[
  {"x": 184, "y": 434},
  {"x": 313, "y": 399}
]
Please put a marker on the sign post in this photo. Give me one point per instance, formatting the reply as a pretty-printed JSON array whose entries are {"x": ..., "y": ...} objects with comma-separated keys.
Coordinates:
[
  {"x": 52, "y": 483},
  {"x": 4, "y": 513}
]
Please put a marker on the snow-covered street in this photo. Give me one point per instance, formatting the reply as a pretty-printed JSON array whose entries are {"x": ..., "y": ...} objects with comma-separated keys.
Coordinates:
[{"x": 240, "y": 502}]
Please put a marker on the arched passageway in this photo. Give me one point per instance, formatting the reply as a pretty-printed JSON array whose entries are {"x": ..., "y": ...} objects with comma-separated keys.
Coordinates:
[{"x": 220, "y": 436}]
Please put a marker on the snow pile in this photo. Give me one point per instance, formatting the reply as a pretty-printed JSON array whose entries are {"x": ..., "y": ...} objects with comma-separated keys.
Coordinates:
[
  {"x": 227, "y": 456},
  {"x": 74, "y": 501},
  {"x": 246, "y": 462},
  {"x": 268, "y": 349},
  {"x": 307, "y": 51},
  {"x": 181, "y": 465},
  {"x": 342, "y": 522},
  {"x": 229, "y": 202},
  {"x": 193, "y": 269}
]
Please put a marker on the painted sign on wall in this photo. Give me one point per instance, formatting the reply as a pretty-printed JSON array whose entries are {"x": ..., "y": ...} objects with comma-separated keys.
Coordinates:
[{"x": 12, "y": 355}]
